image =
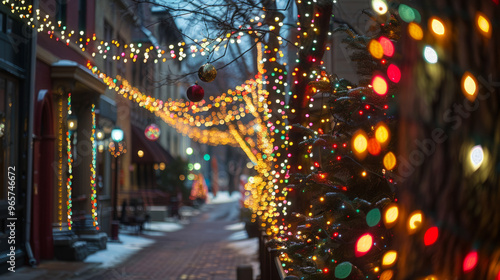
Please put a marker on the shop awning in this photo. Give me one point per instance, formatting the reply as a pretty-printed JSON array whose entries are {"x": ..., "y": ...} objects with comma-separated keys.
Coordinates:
[{"x": 152, "y": 151}]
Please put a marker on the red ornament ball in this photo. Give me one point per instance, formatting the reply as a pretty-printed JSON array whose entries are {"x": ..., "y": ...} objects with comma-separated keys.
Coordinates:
[{"x": 195, "y": 93}]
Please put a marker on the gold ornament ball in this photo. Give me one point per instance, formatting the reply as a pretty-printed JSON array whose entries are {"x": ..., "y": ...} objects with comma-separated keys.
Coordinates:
[{"x": 207, "y": 72}]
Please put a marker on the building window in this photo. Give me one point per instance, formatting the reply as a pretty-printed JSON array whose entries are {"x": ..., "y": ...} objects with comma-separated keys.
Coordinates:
[
  {"x": 108, "y": 35},
  {"x": 82, "y": 15},
  {"x": 9, "y": 25},
  {"x": 120, "y": 64},
  {"x": 8, "y": 128},
  {"x": 1, "y": 21},
  {"x": 61, "y": 11}
]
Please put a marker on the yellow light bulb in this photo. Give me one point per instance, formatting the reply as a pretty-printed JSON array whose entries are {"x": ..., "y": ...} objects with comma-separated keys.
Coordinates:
[
  {"x": 469, "y": 86},
  {"x": 386, "y": 275},
  {"x": 381, "y": 133},
  {"x": 376, "y": 49},
  {"x": 483, "y": 24},
  {"x": 415, "y": 221},
  {"x": 437, "y": 26},
  {"x": 389, "y": 258},
  {"x": 415, "y": 31},
  {"x": 391, "y": 214},
  {"x": 360, "y": 143},
  {"x": 389, "y": 161}
]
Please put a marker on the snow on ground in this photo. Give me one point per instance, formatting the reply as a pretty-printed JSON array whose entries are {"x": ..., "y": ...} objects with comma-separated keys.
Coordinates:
[
  {"x": 246, "y": 246},
  {"x": 163, "y": 226},
  {"x": 116, "y": 253},
  {"x": 223, "y": 197},
  {"x": 240, "y": 242},
  {"x": 237, "y": 226},
  {"x": 239, "y": 235}
]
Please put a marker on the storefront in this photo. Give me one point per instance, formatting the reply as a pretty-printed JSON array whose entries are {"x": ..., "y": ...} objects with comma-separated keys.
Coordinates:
[{"x": 15, "y": 65}]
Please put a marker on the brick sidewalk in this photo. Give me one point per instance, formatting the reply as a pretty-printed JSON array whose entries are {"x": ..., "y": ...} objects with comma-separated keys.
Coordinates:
[
  {"x": 201, "y": 250},
  {"x": 198, "y": 251}
]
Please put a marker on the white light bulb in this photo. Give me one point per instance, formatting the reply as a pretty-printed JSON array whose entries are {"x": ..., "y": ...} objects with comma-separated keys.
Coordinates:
[
  {"x": 430, "y": 55},
  {"x": 476, "y": 156},
  {"x": 379, "y": 6}
]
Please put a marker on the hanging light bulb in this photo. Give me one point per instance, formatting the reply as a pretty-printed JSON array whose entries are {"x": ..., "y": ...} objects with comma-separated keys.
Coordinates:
[{"x": 379, "y": 6}]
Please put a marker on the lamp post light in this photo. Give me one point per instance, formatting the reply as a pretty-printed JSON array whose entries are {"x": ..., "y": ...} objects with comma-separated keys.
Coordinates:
[{"x": 117, "y": 137}]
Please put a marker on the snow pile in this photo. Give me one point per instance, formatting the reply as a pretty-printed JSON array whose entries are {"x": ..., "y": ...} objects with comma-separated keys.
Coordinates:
[
  {"x": 247, "y": 247},
  {"x": 116, "y": 253},
  {"x": 239, "y": 235},
  {"x": 223, "y": 197},
  {"x": 237, "y": 226},
  {"x": 163, "y": 226}
]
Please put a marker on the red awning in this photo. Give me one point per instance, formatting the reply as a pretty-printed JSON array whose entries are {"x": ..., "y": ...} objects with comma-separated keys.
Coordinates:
[{"x": 153, "y": 151}]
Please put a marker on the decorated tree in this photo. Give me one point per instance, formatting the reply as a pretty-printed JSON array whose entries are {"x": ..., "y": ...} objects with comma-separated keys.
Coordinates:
[{"x": 340, "y": 184}]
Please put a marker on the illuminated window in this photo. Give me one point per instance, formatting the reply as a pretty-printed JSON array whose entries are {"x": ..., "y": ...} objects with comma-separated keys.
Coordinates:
[{"x": 61, "y": 11}]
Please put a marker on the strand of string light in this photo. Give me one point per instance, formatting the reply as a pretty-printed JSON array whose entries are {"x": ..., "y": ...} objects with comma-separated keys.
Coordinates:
[
  {"x": 126, "y": 52},
  {"x": 183, "y": 122},
  {"x": 182, "y": 108}
]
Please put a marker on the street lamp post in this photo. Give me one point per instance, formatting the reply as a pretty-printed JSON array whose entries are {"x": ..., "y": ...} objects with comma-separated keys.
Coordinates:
[{"x": 117, "y": 137}]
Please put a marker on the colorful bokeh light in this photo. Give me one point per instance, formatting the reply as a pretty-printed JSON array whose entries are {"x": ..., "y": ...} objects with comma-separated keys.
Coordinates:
[
  {"x": 387, "y": 46},
  {"x": 359, "y": 142},
  {"x": 382, "y": 133},
  {"x": 430, "y": 55},
  {"x": 379, "y": 85},
  {"x": 389, "y": 258},
  {"x": 394, "y": 73},
  {"x": 364, "y": 244},
  {"x": 470, "y": 261},
  {"x": 389, "y": 161},
  {"x": 437, "y": 26},
  {"x": 431, "y": 236},
  {"x": 415, "y": 31},
  {"x": 376, "y": 49}
]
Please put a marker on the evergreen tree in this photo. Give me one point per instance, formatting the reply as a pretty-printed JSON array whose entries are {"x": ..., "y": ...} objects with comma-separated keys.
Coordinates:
[{"x": 343, "y": 185}]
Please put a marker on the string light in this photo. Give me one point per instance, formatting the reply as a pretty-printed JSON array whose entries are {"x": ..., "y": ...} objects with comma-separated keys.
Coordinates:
[
  {"x": 415, "y": 221},
  {"x": 415, "y": 31},
  {"x": 389, "y": 258},
  {"x": 125, "y": 52},
  {"x": 470, "y": 261},
  {"x": 359, "y": 142},
  {"x": 69, "y": 180},
  {"x": 364, "y": 244},
  {"x": 483, "y": 24},
  {"x": 476, "y": 157},
  {"x": 376, "y": 49},
  {"x": 389, "y": 161},
  {"x": 437, "y": 26},
  {"x": 379, "y": 85},
  {"x": 391, "y": 215},
  {"x": 430, "y": 55},
  {"x": 93, "y": 190},
  {"x": 60, "y": 164},
  {"x": 379, "y": 6},
  {"x": 469, "y": 86},
  {"x": 431, "y": 236}
]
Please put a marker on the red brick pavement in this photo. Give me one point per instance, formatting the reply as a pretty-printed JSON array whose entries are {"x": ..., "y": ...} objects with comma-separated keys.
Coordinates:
[{"x": 198, "y": 251}]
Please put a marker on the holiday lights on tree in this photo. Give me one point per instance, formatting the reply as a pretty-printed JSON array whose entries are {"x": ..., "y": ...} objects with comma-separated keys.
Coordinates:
[{"x": 339, "y": 203}]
